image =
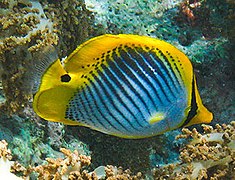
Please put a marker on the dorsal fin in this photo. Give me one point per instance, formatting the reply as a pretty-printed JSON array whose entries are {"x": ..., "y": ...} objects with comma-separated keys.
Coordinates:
[
  {"x": 94, "y": 51},
  {"x": 90, "y": 52},
  {"x": 42, "y": 61}
]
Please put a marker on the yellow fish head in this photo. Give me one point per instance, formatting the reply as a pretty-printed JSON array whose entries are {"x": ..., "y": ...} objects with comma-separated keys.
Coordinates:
[{"x": 56, "y": 84}]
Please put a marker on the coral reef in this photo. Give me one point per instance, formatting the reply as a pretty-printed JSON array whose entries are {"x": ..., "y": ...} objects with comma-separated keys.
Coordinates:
[
  {"x": 230, "y": 18},
  {"x": 5, "y": 163},
  {"x": 24, "y": 23},
  {"x": 71, "y": 166},
  {"x": 207, "y": 37},
  {"x": 32, "y": 139},
  {"x": 55, "y": 134},
  {"x": 208, "y": 155},
  {"x": 24, "y": 29},
  {"x": 73, "y": 20},
  {"x": 136, "y": 17},
  {"x": 137, "y": 155},
  {"x": 60, "y": 168}
]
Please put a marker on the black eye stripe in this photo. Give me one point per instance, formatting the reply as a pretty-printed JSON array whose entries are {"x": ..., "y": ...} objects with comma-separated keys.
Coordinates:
[{"x": 65, "y": 78}]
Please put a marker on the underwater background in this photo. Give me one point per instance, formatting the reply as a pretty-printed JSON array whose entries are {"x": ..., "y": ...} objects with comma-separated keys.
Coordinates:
[{"x": 203, "y": 29}]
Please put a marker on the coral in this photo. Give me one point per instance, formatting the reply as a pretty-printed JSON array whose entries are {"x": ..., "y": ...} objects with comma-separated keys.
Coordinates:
[
  {"x": 26, "y": 27},
  {"x": 231, "y": 17},
  {"x": 208, "y": 154},
  {"x": 135, "y": 17},
  {"x": 24, "y": 23},
  {"x": 211, "y": 154},
  {"x": 54, "y": 169},
  {"x": 4, "y": 152},
  {"x": 187, "y": 8},
  {"x": 62, "y": 168},
  {"x": 71, "y": 167},
  {"x": 209, "y": 19},
  {"x": 30, "y": 140},
  {"x": 137, "y": 155},
  {"x": 5, "y": 163},
  {"x": 73, "y": 21},
  {"x": 24, "y": 30},
  {"x": 55, "y": 134},
  {"x": 114, "y": 173}
]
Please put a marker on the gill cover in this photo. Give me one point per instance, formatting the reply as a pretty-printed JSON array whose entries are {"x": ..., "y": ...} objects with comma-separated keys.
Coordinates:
[{"x": 52, "y": 94}]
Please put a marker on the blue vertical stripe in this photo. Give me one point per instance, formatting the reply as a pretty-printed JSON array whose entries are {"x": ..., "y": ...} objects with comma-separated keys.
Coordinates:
[
  {"x": 128, "y": 89},
  {"x": 123, "y": 96},
  {"x": 156, "y": 72},
  {"x": 136, "y": 76},
  {"x": 120, "y": 102},
  {"x": 158, "y": 81},
  {"x": 103, "y": 88},
  {"x": 170, "y": 70},
  {"x": 152, "y": 88},
  {"x": 100, "y": 117}
]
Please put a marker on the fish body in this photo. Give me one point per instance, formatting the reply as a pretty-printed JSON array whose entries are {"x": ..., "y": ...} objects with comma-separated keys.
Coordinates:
[{"x": 129, "y": 86}]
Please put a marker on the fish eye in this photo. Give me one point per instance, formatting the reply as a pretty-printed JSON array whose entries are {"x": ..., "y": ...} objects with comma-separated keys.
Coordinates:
[{"x": 65, "y": 78}]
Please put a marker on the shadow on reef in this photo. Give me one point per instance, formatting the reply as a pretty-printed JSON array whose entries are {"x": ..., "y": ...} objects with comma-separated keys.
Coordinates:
[{"x": 134, "y": 154}]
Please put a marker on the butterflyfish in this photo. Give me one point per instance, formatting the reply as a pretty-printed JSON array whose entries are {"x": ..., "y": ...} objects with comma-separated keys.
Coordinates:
[{"x": 128, "y": 86}]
